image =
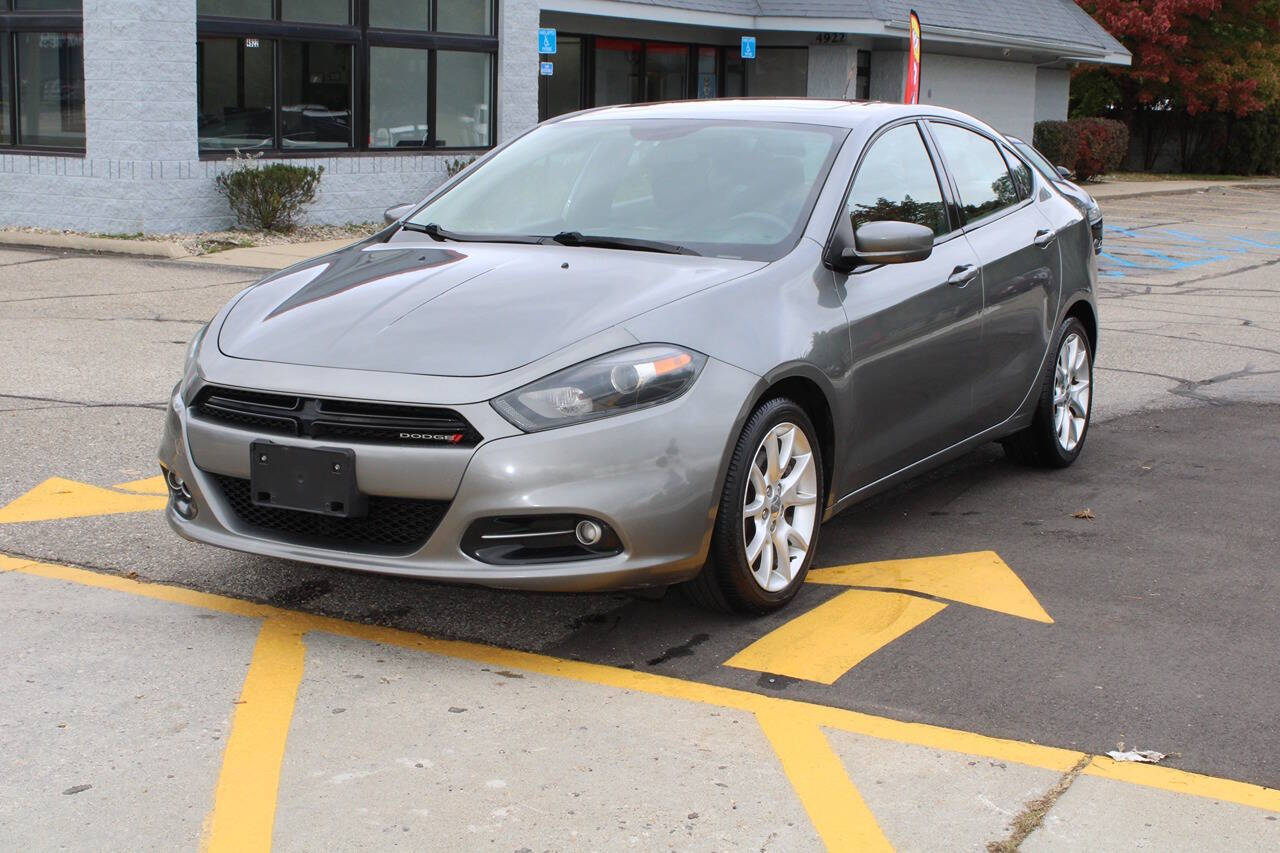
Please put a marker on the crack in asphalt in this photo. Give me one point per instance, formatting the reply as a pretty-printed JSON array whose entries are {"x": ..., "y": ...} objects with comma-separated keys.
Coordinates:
[
  {"x": 30, "y": 261},
  {"x": 80, "y": 404},
  {"x": 124, "y": 292},
  {"x": 1191, "y": 340}
]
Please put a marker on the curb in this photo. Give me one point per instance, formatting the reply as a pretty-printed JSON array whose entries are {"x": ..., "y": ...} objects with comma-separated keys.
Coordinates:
[
  {"x": 140, "y": 248},
  {"x": 1184, "y": 190}
]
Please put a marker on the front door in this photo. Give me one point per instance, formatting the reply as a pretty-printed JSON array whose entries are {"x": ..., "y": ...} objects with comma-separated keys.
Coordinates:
[{"x": 915, "y": 328}]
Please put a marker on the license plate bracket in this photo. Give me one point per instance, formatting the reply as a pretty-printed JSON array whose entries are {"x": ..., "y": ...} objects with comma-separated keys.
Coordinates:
[{"x": 315, "y": 480}]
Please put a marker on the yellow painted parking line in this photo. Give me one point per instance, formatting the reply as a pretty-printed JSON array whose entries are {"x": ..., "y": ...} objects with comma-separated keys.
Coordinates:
[
  {"x": 834, "y": 637},
  {"x": 59, "y": 498},
  {"x": 244, "y": 803},
  {"x": 980, "y": 579},
  {"x": 919, "y": 734},
  {"x": 838, "y": 812},
  {"x": 150, "y": 486}
]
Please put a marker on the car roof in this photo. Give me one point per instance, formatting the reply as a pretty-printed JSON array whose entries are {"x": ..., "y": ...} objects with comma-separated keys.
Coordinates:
[{"x": 830, "y": 113}]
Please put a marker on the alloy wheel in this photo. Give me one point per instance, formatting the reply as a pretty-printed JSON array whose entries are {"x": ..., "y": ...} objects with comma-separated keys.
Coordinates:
[
  {"x": 1072, "y": 391},
  {"x": 780, "y": 507}
]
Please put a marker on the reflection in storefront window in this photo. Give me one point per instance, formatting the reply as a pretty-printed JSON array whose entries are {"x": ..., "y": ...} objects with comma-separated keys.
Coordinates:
[{"x": 50, "y": 89}]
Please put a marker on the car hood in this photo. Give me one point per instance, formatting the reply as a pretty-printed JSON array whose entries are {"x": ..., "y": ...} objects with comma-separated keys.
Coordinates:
[{"x": 454, "y": 309}]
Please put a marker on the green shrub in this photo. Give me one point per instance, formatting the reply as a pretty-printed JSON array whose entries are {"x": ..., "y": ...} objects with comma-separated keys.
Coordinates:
[
  {"x": 1056, "y": 142},
  {"x": 268, "y": 197},
  {"x": 453, "y": 167},
  {"x": 1101, "y": 145}
]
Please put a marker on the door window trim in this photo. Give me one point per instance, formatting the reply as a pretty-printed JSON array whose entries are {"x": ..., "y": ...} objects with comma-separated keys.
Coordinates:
[
  {"x": 986, "y": 218},
  {"x": 944, "y": 186}
]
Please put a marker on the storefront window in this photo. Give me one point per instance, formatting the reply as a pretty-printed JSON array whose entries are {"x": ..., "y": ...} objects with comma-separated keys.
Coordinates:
[
  {"x": 50, "y": 90},
  {"x": 41, "y": 75},
  {"x": 464, "y": 16},
  {"x": 234, "y": 97},
  {"x": 708, "y": 83},
  {"x": 462, "y": 109},
  {"x": 666, "y": 71},
  {"x": 617, "y": 72},
  {"x": 260, "y": 9},
  {"x": 400, "y": 14},
  {"x": 4, "y": 91},
  {"x": 397, "y": 113},
  {"x": 316, "y": 11},
  {"x": 315, "y": 95},
  {"x": 321, "y": 78}
]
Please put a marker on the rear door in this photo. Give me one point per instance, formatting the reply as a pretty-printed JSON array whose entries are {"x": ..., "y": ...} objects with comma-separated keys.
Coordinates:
[
  {"x": 915, "y": 328},
  {"x": 1017, "y": 248}
]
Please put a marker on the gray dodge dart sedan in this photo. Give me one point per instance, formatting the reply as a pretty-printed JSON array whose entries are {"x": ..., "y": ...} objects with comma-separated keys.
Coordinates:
[{"x": 645, "y": 345}]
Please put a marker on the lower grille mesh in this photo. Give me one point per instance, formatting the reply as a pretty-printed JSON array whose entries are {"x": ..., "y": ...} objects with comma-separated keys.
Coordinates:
[{"x": 393, "y": 525}]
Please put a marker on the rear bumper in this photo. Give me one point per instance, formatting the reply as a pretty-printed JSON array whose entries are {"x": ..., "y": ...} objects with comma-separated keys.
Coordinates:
[{"x": 653, "y": 476}]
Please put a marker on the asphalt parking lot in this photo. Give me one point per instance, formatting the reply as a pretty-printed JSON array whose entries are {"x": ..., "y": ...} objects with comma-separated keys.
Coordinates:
[{"x": 214, "y": 698}]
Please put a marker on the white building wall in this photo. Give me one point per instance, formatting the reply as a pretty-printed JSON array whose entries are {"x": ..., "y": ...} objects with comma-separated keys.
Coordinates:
[
  {"x": 1003, "y": 94},
  {"x": 142, "y": 170},
  {"x": 888, "y": 75},
  {"x": 833, "y": 71},
  {"x": 1053, "y": 89}
]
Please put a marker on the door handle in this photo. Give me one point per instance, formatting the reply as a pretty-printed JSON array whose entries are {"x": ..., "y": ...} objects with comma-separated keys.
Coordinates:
[
  {"x": 1045, "y": 238},
  {"x": 962, "y": 275}
]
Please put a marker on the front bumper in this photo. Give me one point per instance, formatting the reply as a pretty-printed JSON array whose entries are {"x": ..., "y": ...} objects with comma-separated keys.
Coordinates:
[{"x": 653, "y": 476}]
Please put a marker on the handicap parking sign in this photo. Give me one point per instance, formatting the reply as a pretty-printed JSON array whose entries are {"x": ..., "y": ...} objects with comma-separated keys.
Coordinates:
[
  {"x": 547, "y": 40},
  {"x": 748, "y": 47},
  {"x": 546, "y": 69}
]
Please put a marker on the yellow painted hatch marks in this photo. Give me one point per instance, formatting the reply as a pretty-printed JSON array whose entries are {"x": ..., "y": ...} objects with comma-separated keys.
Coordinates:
[
  {"x": 980, "y": 579},
  {"x": 279, "y": 655},
  {"x": 834, "y": 637},
  {"x": 838, "y": 812},
  {"x": 244, "y": 803},
  {"x": 58, "y": 498}
]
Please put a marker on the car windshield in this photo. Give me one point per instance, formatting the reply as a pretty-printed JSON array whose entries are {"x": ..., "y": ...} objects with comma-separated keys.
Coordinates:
[
  {"x": 722, "y": 188},
  {"x": 1037, "y": 159}
]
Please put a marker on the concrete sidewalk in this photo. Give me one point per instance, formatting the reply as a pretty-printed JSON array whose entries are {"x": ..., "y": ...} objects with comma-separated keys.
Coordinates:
[{"x": 229, "y": 725}]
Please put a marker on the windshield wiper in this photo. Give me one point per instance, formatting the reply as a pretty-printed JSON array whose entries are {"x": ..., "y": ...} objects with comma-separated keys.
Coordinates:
[
  {"x": 435, "y": 232},
  {"x": 577, "y": 238}
]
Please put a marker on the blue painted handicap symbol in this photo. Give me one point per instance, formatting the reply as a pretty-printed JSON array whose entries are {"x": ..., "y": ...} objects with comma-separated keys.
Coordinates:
[
  {"x": 546, "y": 69},
  {"x": 547, "y": 40},
  {"x": 748, "y": 47}
]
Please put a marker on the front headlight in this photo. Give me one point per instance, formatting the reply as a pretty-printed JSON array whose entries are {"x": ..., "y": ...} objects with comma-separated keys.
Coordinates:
[
  {"x": 622, "y": 381},
  {"x": 193, "y": 348}
]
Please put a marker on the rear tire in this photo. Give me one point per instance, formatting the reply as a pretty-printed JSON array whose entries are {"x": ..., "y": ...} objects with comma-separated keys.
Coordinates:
[
  {"x": 1061, "y": 423},
  {"x": 769, "y": 517}
]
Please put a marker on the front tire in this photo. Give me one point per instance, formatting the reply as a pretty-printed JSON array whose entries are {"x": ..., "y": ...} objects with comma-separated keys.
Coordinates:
[
  {"x": 1057, "y": 433},
  {"x": 770, "y": 514}
]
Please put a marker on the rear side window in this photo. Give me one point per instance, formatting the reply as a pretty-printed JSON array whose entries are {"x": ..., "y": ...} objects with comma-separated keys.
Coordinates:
[
  {"x": 897, "y": 182},
  {"x": 980, "y": 173},
  {"x": 1021, "y": 172}
]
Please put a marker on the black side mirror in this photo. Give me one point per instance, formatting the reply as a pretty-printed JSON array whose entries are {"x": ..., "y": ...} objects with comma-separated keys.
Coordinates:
[
  {"x": 1065, "y": 172},
  {"x": 394, "y": 214},
  {"x": 879, "y": 243}
]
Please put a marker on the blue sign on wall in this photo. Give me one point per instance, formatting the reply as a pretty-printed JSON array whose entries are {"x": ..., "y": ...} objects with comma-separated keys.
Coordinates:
[
  {"x": 748, "y": 47},
  {"x": 547, "y": 41},
  {"x": 546, "y": 69}
]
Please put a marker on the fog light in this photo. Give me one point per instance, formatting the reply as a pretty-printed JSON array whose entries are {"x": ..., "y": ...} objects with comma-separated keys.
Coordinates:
[
  {"x": 588, "y": 532},
  {"x": 176, "y": 483},
  {"x": 179, "y": 495}
]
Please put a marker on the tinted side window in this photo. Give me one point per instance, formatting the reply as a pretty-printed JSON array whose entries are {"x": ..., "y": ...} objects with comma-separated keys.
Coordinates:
[
  {"x": 1021, "y": 172},
  {"x": 981, "y": 176},
  {"x": 896, "y": 182}
]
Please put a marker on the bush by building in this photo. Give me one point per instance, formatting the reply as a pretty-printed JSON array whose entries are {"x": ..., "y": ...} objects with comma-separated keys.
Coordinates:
[
  {"x": 1087, "y": 146},
  {"x": 268, "y": 197}
]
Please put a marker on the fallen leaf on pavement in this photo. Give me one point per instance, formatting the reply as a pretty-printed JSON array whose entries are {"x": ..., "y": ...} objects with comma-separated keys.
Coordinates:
[{"x": 1084, "y": 513}]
